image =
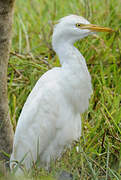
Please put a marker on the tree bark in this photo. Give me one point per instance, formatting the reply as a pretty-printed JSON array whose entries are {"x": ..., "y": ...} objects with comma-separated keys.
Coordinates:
[{"x": 6, "y": 131}]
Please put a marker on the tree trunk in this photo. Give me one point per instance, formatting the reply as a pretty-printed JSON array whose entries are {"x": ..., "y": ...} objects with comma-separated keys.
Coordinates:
[{"x": 6, "y": 131}]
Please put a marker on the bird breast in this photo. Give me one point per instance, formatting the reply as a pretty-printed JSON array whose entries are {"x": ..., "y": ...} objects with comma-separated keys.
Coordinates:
[{"x": 77, "y": 88}]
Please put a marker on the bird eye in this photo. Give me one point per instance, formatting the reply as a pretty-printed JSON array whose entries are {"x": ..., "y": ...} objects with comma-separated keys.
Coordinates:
[{"x": 79, "y": 25}]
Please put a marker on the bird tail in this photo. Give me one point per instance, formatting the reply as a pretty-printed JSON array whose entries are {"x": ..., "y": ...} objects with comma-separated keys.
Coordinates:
[{"x": 16, "y": 167}]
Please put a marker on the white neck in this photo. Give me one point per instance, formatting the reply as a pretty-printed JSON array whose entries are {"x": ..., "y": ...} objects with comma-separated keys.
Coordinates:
[
  {"x": 71, "y": 57},
  {"x": 75, "y": 77}
]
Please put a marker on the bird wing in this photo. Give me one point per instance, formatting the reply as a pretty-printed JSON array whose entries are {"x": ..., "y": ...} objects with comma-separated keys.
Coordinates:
[{"x": 37, "y": 121}]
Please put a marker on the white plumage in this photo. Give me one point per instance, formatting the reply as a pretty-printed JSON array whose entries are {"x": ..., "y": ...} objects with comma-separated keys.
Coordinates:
[{"x": 50, "y": 118}]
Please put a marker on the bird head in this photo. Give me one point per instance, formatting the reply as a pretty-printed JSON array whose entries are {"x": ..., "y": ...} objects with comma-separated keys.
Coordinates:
[{"x": 72, "y": 28}]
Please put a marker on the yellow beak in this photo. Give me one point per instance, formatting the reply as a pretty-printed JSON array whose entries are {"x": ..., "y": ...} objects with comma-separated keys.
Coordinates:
[{"x": 96, "y": 28}]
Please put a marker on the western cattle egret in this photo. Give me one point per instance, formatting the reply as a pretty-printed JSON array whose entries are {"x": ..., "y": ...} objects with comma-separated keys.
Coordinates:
[{"x": 50, "y": 119}]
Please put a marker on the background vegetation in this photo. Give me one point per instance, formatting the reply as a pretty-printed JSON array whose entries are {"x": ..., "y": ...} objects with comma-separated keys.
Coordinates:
[{"x": 97, "y": 155}]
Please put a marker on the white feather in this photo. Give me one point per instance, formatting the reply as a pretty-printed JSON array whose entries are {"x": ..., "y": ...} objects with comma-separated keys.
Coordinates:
[{"x": 50, "y": 118}]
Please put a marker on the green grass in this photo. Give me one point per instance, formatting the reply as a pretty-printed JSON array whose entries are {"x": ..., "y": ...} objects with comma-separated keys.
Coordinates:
[{"x": 99, "y": 154}]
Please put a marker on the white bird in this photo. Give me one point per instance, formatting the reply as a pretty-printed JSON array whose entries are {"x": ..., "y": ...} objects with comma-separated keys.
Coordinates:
[{"x": 50, "y": 119}]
